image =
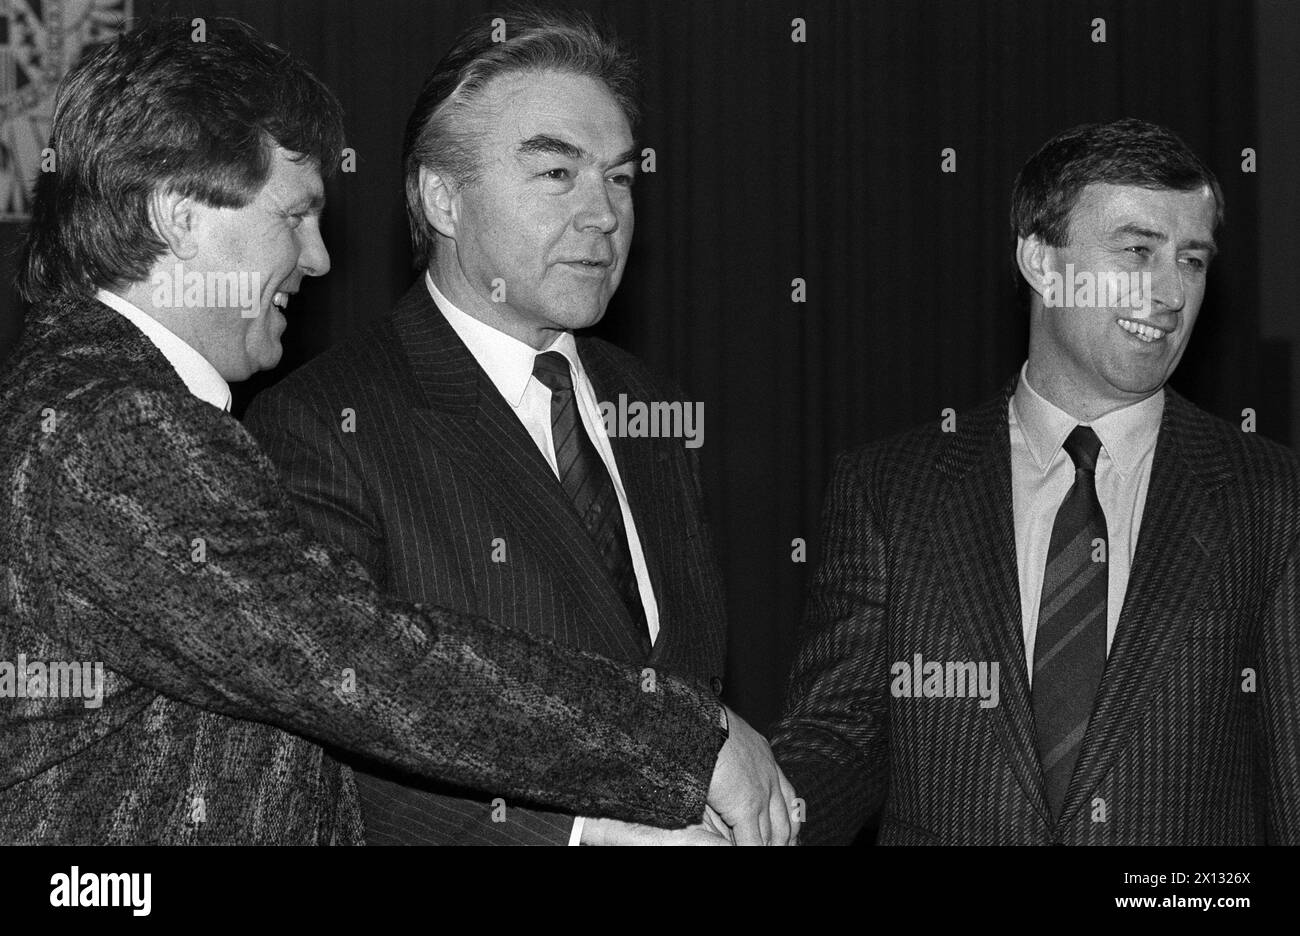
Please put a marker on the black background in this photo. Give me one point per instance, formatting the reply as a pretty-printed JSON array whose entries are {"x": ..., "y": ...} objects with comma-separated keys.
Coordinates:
[{"x": 821, "y": 160}]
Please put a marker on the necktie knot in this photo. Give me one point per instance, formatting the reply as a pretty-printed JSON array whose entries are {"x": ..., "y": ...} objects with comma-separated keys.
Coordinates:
[
  {"x": 1083, "y": 447},
  {"x": 551, "y": 368}
]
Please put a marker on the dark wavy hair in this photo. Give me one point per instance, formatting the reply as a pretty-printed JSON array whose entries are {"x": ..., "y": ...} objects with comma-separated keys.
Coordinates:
[
  {"x": 156, "y": 108},
  {"x": 438, "y": 135},
  {"x": 1123, "y": 152}
]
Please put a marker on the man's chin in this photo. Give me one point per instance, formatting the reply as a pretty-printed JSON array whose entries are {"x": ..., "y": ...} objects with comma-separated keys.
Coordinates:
[
  {"x": 576, "y": 319},
  {"x": 1142, "y": 372},
  {"x": 1139, "y": 385},
  {"x": 264, "y": 359}
]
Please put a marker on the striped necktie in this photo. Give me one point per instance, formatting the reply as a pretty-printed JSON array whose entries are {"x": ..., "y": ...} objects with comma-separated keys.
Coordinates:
[
  {"x": 1070, "y": 643},
  {"x": 587, "y": 483}
]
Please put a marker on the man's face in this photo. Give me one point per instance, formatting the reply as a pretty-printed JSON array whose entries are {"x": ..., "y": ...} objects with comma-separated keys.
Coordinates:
[
  {"x": 1118, "y": 351},
  {"x": 270, "y": 244},
  {"x": 542, "y": 238}
]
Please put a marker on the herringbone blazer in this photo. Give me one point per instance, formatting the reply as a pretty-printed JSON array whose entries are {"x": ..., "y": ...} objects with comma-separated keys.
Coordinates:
[
  {"x": 143, "y": 528},
  {"x": 1195, "y": 734},
  {"x": 442, "y": 494}
]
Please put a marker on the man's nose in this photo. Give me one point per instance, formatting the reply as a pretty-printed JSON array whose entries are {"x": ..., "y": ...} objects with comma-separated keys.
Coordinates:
[
  {"x": 597, "y": 209},
  {"x": 1167, "y": 289},
  {"x": 313, "y": 257}
]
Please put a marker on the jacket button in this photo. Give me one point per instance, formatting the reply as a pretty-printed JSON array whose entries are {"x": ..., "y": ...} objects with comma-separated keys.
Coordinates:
[{"x": 715, "y": 684}]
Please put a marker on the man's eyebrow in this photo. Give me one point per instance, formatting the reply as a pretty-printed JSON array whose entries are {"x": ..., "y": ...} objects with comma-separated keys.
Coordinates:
[
  {"x": 631, "y": 155},
  {"x": 1137, "y": 230},
  {"x": 545, "y": 143}
]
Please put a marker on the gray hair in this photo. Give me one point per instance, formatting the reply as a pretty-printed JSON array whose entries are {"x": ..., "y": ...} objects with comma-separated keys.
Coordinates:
[{"x": 438, "y": 135}]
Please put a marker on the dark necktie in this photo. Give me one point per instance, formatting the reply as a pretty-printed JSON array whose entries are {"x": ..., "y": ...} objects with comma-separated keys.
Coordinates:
[
  {"x": 587, "y": 482},
  {"x": 1070, "y": 644}
]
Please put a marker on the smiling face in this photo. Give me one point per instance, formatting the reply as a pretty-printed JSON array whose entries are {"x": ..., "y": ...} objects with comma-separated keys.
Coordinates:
[
  {"x": 1092, "y": 359},
  {"x": 538, "y": 244},
  {"x": 269, "y": 245}
]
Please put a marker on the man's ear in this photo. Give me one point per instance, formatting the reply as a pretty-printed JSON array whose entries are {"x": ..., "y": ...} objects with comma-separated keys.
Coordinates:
[
  {"x": 175, "y": 220},
  {"x": 1037, "y": 263},
  {"x": 439, "y": 197}
]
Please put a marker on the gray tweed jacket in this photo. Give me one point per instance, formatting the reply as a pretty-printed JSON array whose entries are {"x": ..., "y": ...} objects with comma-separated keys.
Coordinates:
[{"x": 142, "y": 529}]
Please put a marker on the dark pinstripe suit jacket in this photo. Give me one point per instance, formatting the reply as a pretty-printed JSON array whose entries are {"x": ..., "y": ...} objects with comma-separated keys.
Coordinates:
[
  {"x": 1195, "y": 735},
  {"x": 142, "y": 529},
  {"x": 440, "y": 479}
]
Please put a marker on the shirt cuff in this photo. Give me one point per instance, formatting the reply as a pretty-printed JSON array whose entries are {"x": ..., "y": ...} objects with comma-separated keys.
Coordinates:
[{"x": 575, "y": 837}]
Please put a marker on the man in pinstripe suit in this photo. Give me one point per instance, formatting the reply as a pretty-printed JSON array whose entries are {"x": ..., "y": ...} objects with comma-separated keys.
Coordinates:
[
  {"x": 457, "y": 446},
  {"x": 1118, "y": 567},
  {"x": 176, "y": 652}
]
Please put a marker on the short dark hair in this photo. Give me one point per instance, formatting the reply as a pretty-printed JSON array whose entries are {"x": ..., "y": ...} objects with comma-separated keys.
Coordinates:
[
  {"x": 154, "y": 107},
  {"x": 437, "y": 136},
  {"x": 1123, "y": 152}
]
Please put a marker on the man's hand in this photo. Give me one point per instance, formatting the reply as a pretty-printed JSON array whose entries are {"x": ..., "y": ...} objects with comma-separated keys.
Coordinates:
[
  {"x": 713, "y": 822},
  {"x": 613, "y": 832},
  {"x": 749, "y": 791}
]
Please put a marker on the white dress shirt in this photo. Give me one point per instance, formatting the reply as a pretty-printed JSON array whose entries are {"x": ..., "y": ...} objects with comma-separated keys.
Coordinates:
[
  {"x": 1042, "y": 473},
  {"x": 508, "y": 362},
  {"x": 200, "y": 377}
]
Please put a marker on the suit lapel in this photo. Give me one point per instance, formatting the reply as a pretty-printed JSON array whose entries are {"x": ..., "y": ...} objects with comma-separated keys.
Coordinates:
[
  {"x": 463, "y": 412},
  {"x": 638, "y": 468},
  {"x": 975, "y": 548},
  {"x": 1176, "y": 555}
]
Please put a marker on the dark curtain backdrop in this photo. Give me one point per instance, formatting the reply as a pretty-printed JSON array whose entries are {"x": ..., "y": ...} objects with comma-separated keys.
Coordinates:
[{"x": 821, "y": 160}]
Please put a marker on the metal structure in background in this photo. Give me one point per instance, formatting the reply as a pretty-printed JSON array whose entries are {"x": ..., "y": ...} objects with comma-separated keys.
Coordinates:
[{"x": 39, "y": 41}]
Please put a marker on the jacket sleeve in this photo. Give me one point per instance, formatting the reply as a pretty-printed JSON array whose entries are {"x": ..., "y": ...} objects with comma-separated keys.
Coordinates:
[
  {"x": 333, "y": 501},
  {"x": 831, "y": 739},
  {"x": 1279, "y": 697},
  {"x": 178, "y": 562}
]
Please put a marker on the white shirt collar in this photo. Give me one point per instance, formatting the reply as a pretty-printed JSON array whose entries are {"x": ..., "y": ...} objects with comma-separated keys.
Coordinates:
[
  {"x": 507, "y": 360},
  {"x": 1127, "y": 434},
  {"x": 200, "y": 377}
]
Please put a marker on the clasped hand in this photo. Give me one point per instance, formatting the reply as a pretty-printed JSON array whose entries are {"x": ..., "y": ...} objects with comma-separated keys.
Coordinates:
[{"x": 750, "y": 802}]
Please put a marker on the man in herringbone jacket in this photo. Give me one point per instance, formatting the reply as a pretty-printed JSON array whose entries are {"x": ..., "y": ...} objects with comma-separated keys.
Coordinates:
[
  {"x": 426, "y": 445},
  {"x": 176, "y": 653},
  {"x": 1068, "y": 615}
]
